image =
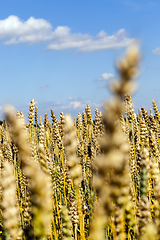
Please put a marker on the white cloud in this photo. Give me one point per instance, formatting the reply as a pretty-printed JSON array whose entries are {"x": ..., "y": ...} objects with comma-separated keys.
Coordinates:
[
  {"x": 87, "y": 43},
  {"x": 156, "y": 51},
  {"x": 76, "y": 104},
  {"x": 62, "y": 38},
  {"x": 30, "y": 31},
  {"x": 14, "y": 30},
  {"x": 83, "y": 104},
  {"x": 106, "y": 76},
  {"x": 80, "y": 105}
]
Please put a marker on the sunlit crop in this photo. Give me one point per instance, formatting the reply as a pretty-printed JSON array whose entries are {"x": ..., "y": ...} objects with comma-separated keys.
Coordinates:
[{"x": 94, "y": 177}]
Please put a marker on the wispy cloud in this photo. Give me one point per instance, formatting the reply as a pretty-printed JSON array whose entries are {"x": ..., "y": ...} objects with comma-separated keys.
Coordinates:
[
  {"x": 139, "y": 5},
  {"x": 44, "y": 86},
  {"x": 102, "y": 85},
  {"x": 76, "y": 105},
  {"x": 13, "y": 30},
  {"x": 134, "y": 5},
  {"x": 72, "y": 108},
  {"x": 73, "y": 98},
  {"x": 156, "y": 51}
]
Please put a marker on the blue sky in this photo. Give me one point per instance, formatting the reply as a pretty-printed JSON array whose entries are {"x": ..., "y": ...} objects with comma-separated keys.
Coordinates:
[{"x": 63, "y": 53}]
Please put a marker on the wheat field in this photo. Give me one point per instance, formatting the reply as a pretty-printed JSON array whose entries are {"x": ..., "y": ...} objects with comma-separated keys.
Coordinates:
[{"x": 89, "y": 178}]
